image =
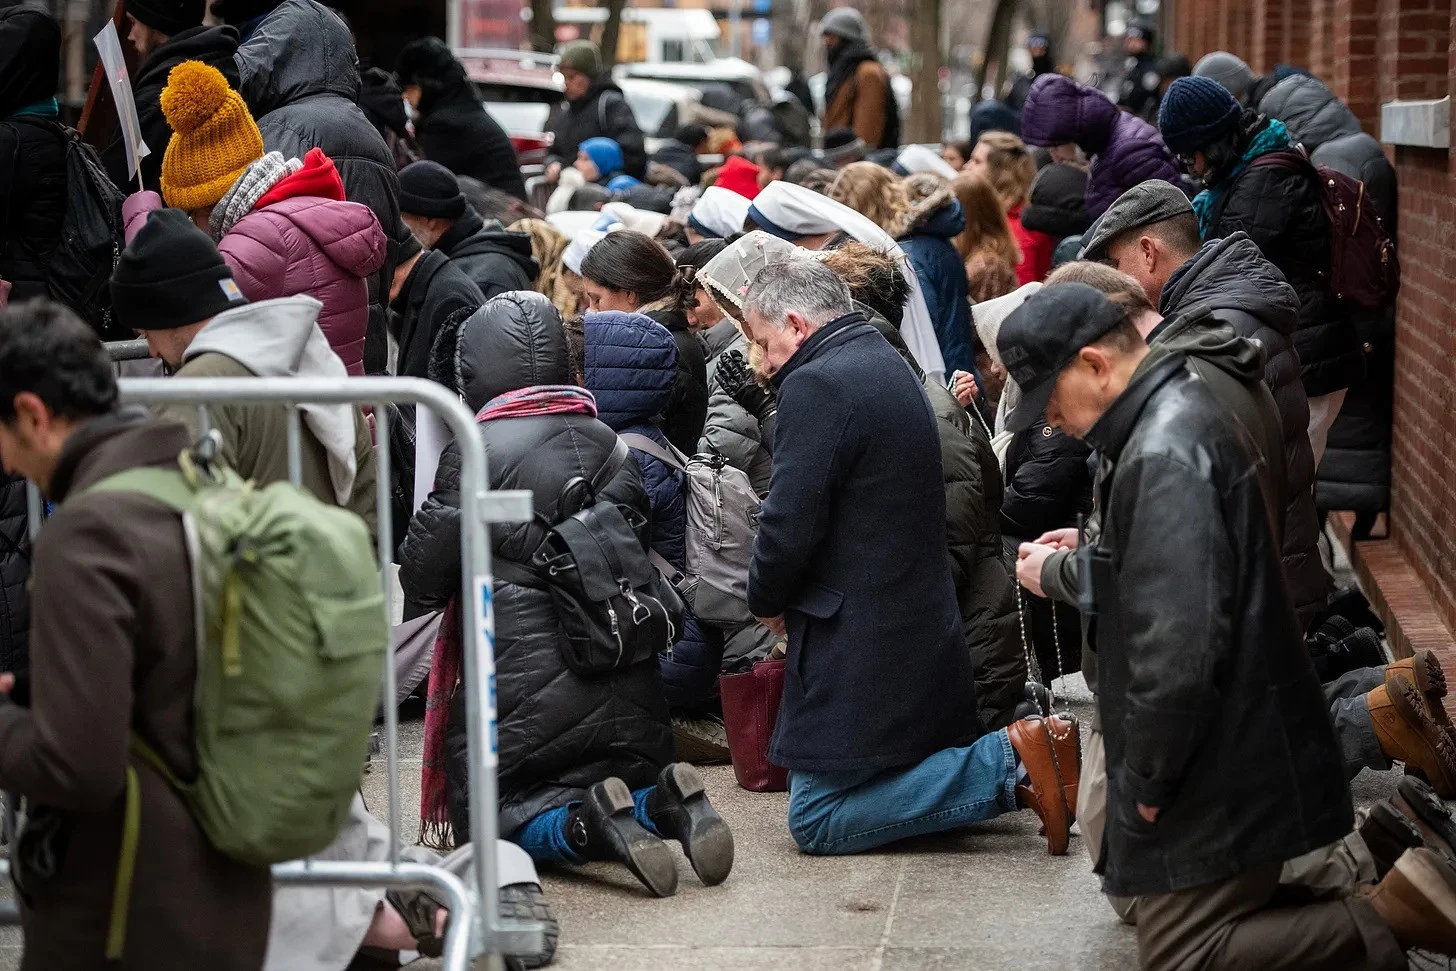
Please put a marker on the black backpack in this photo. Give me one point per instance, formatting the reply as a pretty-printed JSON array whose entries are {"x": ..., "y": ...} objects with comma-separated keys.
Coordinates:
[{"x": 78, "y": 272}]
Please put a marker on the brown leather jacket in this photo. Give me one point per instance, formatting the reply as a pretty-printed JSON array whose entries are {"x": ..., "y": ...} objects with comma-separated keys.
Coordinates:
[
  {"x": 115, "y": 652},
  {"x": 861, "y": 104}
]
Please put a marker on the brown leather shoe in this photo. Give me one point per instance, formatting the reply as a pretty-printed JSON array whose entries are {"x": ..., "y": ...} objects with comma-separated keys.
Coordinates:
[
  {"x": 1417, "y": 901},
  {"x": 1424, "y": 671},
  {"x": 1407, "y": 734},
  {"x": 1051, "y": 751}
]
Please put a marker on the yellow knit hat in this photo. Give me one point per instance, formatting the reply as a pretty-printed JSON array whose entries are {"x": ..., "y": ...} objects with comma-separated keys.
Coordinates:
[{"x": 214, "y": 138}]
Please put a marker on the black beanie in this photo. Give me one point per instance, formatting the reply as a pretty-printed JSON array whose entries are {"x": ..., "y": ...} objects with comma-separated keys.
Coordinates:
[
  {"x": 429, "y": 189},
  {"x": 171, "y": 275},
  {"x": 167, "y": 16}
]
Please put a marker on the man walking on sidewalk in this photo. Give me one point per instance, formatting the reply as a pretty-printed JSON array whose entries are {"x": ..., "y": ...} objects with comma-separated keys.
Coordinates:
[
  {"x": 878, "y": 722},
  {"x": 1221, "y": 761}
]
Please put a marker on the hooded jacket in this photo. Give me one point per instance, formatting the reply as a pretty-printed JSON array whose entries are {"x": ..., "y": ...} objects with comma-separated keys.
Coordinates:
[
  {"x": 295, "y": 242},
  {"x": 495, "y": 260},
  {"x": 281, "y": 339},
  {"x": 456, "y": 131},
  {"x": 631, "y": 367},
  {"x": 683, "y": 417},
  {"x": 1209, "y": 705},
  {"x": 1232, "y": 280},
  {"x": 214, "y": 46},
  {"x": 32, "y": 150},
  {"x": 1124, "y": 149},
  {"x": 604, "y": 112},
  {"x": 559, "y": 733},
  {"x": 1058, "y": 205},
  {"x": 434, "y": 291},
  {"x": 305, "y": 95},
  {"x": 925, "y": 235},
  {"x": 731, "y": 431},
  {"x": 116, "y": 653}
]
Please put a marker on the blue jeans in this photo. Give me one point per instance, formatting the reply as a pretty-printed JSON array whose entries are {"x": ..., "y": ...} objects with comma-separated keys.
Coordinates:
[
  {"x": 544, "y": 838},
  {"x": 835, "y": 813}
]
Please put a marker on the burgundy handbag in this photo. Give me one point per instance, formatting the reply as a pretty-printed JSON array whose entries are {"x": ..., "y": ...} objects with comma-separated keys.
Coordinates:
[{"x": 750, "y": 711}]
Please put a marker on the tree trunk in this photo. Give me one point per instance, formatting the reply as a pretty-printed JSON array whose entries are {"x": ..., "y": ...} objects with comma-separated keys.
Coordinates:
[
  {"x": 543, "y": 26},
  {"x": 925, "y": 123},
  {"x": 998, "y": 35},
  {"x": 611, "y": 32}
]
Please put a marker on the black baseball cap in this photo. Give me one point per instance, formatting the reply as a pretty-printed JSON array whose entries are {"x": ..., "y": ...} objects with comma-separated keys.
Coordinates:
[{"x": 1043, "y": 335}]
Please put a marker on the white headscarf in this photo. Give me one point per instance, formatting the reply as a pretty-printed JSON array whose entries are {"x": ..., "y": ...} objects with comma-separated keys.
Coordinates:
[
  {"x": 791, "y": 211},
  {"x": 719, "y": 213},
  {"x": 918, "y": 158},
  {"x": 727, "y": 275},
  {"x": 582, "y": 244},
  {"x": 988, "y": 316},
  {"x": 641, "y": 220}
]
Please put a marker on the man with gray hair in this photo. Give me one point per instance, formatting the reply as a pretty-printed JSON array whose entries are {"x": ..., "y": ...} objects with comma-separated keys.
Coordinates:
[{"x": 878, "y": 723}]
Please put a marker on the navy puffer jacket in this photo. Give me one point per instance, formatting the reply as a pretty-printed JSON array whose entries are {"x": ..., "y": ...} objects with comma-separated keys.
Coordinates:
[{"x": 631, "y": 367}]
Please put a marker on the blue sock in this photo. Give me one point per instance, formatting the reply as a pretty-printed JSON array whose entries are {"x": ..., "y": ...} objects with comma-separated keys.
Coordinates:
[{"x": 639, "y": 810}]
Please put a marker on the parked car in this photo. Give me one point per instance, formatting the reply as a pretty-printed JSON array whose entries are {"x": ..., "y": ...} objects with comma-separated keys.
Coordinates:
[
  {"x": 745, "y": 79},
  {"x": 661, "y": 108},
  {"x": 518, "y": 89}
]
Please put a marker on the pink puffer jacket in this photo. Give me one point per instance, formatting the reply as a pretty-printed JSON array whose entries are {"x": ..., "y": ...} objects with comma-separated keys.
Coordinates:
[{"x": 301, "y": 245}]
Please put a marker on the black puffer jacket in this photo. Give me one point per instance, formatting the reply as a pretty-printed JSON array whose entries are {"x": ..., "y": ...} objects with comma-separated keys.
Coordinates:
[
  {"x": 687, "y": 411},
  {"x": 305, "y": 95},
  {"x": 494, "y": 259},
  {"x": 1048, "y": 482},
  {"x": 32, "y": 156},
  {"x": 214, "y": 46},
  {"x": 559, "y": 733},
  {"x": 1231, "y": 278},
  {"x": 1280, "y": 209},
  {"x": 1209, "y": 704},
  {"x": 603, "y": 111},
  {"x": 14, "y": 591}
]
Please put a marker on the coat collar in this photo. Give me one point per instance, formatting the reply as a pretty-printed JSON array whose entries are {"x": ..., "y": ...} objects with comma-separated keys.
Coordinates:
[
  {"x": 837, "y": 331},
  {"x": 113, "y": 443},
  {"x": 464, "y": 228},
  {"x": 1116, "y": 425}
]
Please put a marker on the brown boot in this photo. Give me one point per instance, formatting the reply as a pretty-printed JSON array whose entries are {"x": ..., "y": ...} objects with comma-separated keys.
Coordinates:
[
  {"x": 1417, "y": 901},
  {"x": 1407, "y": 734},
  {"x": 1051, "y": 751},
  {"x": 1424, "y": 671}
]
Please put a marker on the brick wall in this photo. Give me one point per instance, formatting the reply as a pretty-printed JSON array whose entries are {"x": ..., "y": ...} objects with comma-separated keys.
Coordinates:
[{"x": 1371, "y": 52}]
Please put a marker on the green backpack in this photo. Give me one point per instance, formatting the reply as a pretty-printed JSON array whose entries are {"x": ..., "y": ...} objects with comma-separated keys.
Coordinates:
[{"x": 293, "y": 636}]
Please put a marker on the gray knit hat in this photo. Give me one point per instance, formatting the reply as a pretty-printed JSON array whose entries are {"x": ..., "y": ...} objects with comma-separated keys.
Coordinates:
[
  {"x": 583, "y": 56},
  {"x": 845, "y": 22},
  {"x": 1228, "y": 70}
]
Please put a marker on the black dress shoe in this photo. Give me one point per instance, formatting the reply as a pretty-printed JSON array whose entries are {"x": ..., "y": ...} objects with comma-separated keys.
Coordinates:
[
  {"x": 680, "y": 810},
  {"x": 1387, "y": 834},
  {"x": 603, "y": 828}
]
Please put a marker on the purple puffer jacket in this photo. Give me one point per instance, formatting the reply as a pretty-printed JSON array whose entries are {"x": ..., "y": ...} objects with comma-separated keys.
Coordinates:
[
  {"x": 1124, "y": 149},
  {"x": 304, "y": 245}
]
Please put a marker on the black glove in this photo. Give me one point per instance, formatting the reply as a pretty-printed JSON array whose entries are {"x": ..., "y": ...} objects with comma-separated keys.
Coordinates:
[{"x": 738, "y": 380}]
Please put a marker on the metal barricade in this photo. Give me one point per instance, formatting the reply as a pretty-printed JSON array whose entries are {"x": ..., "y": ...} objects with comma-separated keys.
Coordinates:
[
  {"x": 127, "y": 350},
  {"x": 475, "y": 925}
]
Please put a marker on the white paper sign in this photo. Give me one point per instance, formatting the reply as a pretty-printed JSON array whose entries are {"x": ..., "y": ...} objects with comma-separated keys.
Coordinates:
[
  {"x": 108, "y": 45},
  {"x": 431, "y": 437}
]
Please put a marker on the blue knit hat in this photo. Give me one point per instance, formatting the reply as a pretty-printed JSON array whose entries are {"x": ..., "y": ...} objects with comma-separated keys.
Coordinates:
[
  {"x": 606, "y": 154},
  {"x": 1196, "y": 112}
]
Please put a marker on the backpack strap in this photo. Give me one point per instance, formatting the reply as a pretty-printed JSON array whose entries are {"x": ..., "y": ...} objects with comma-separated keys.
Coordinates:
[
  {"x": 613, "y": 465},
  {"x": 131, "y": 828},
  {"x": 670, "y": 455},
  {"x": 166, "y": 485}
]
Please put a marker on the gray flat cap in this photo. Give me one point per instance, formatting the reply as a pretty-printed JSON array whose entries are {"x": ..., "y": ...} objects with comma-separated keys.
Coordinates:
[
  {"x": 1144, "y": 204},
  {"x": 1228, "y": 70},
  {"x": 844, "y": 22}
]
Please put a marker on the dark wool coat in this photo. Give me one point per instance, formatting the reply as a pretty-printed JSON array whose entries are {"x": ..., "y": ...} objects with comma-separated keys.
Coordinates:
[
  {"x": 878, "y": 674},
  {"x": 631, "y": 368},
  {"x": 1124, "y": 149},
  {"x": 1209, "y": 704},
  {"x": 457, "y": 132},
  {"x": 434, "y": 291},
  {"x": 559, "y": 732},
  {"x": 603, "y": 111},
  {"x": 116, "y": 654}
]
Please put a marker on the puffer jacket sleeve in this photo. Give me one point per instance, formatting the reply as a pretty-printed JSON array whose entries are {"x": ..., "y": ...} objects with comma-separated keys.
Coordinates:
[
  {"x": 259, "y": 256},
  {"x": 135, "y": 210},
  {"x": 730, "y": 431},
  {"x": 429, "y": 557},
  {"x": 1049, "y": 486}
]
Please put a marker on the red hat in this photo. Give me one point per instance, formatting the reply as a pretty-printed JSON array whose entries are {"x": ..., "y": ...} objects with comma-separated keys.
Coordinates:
[{"x": 739, "y": 175}]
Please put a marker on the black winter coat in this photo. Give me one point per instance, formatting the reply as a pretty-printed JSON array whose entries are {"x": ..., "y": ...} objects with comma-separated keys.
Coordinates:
[
  {"x": 878, "y": 674},
  {"x": 14, "y": 586},
  {"x": 494, "y": 259},
  {"x": 687, "y": 411},
  {"x": 1209, "y": 704},
  {"x": 559, "y": 733},
  {"x": 32, "y": 156},
  {"x": 603, "y": 111},
  {"x": 457, "y": 132},
  {"x": 1231, "y": 278},
  {"x": 305, "y": 95},
  {"x": 214, "y": 46},
  {"x": 1281, "y": 212},
  {"x": 1048, "y": 482},
  {"x": 434, "y": 291}
]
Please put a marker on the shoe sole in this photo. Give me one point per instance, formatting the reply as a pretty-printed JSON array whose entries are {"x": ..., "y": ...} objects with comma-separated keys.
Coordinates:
[
  {"x": 1427, "y": 807},
  {"x": 1438, "y": 762},
  {"x": 709, "y": 842},
  {"x": 1430, "y": 681},
  {"x": 1435, "y": 885},
  {"x": 524, "y": 902},
  {"x": 647, "y": 856}
]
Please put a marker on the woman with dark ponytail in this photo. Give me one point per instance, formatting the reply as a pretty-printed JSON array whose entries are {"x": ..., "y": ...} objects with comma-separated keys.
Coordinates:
[{"x": 631, "y": 272}]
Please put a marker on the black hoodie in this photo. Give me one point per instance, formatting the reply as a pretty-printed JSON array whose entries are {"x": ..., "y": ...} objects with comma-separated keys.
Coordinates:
[
  {"x": 603, "y": 111},
  {"x": 495, "y": 259}
]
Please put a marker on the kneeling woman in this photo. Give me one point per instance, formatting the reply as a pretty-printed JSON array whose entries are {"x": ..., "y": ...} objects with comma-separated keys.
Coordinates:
[{"x": 586, "y": 768}]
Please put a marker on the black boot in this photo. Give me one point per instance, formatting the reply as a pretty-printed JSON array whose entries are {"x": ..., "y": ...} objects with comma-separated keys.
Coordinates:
[
  {"x": 680, "y": 810},
  {"x": 1387, "y": 834},
  {"x": 603, "y": 828}
]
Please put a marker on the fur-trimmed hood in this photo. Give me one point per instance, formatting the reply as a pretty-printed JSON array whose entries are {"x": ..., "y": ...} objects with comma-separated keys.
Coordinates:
[{"x": 938, "y": 214}]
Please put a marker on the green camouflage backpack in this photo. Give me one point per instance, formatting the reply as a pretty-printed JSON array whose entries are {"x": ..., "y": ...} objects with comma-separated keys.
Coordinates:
[{"x": 293, "y": 635}]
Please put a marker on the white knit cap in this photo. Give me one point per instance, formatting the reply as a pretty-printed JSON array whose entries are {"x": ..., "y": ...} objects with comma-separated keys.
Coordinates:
[
  {"x": 719, "y": 213},
  {"x": 988, "y": 315}
]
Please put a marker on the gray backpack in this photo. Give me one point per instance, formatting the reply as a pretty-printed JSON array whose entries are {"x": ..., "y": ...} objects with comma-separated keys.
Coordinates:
[{"x": 722, "y": 521}]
